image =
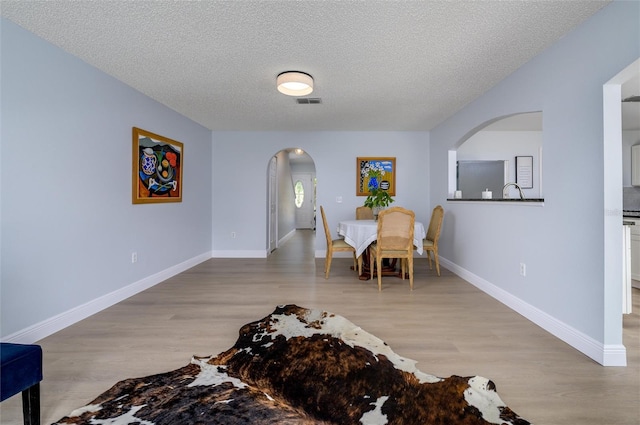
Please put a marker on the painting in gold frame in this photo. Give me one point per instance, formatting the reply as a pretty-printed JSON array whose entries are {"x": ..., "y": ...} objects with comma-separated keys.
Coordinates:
[
  {"x": 157, "y": 168},
  {"x": 387, "y": 181}
]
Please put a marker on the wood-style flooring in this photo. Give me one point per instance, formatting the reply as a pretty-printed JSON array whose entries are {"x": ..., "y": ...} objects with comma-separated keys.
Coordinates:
[{"x": 446, "y": 324}]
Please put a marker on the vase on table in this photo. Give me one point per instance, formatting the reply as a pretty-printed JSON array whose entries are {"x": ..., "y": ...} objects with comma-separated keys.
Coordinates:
[{"x": 376, "y": 211}]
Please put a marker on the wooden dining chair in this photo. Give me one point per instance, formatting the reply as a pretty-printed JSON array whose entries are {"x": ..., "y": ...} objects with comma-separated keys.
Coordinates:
[
  {"x": 364, "y": 213},
  {"x": 430, "y": 243},
  {"x": 335, "y": 245},
  {"x": 395, "y": 240}
]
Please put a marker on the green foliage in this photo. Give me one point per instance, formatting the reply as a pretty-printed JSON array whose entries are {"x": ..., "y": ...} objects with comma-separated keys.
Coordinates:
[{"x": 378, "y": 198}]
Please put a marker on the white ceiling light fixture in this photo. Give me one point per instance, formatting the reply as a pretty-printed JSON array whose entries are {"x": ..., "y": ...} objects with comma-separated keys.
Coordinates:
[{"x": 294, "y": 83}]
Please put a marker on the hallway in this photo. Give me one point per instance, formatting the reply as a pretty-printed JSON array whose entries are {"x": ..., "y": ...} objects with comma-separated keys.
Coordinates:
[{"x": 299, "y": 248}]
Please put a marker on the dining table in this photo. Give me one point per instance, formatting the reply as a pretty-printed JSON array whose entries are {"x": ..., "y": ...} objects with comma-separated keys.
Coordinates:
[{"x": 362, "y": 233}]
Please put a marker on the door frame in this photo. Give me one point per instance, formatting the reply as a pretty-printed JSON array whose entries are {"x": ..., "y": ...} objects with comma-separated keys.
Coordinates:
[
  {"x": 309, "y": 195},
  {"x": 615, "y": 353},
  {"x": 272, "y": 205}
]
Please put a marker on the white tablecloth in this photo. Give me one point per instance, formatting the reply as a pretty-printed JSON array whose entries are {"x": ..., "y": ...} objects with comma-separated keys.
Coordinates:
[{"x": 361, "y": 233}]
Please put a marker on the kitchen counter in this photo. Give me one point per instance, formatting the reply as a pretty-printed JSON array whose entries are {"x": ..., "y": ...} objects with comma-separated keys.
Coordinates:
[{"x": 516, "y": 200}]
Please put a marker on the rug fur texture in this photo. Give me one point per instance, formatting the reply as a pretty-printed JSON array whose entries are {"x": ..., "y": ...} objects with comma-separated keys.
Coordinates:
[{"x": 299, "y": 366}]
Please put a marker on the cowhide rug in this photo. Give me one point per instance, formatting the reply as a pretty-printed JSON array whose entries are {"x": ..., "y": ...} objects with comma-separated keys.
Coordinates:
[{"x": 299, "y": 366}]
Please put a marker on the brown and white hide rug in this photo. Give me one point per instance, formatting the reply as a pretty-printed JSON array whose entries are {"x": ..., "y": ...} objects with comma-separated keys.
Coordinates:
[{"x": 299, "y": 366}]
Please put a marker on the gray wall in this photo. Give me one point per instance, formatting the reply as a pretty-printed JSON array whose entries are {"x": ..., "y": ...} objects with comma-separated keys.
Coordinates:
[
  {"x": 631, "y": 194},
  {"x": 68, "y": 224},
  {"x": 629, "y": 138},
  {"x": 561, "y": 243},
  {"x": 334, "y": 154},
  {"x": 286, "y": 198},
  {"x": 506, "y": 145}
]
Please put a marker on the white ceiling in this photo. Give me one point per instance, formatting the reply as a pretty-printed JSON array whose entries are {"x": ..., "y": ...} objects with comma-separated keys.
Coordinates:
[{"x": 377, "y": 65}]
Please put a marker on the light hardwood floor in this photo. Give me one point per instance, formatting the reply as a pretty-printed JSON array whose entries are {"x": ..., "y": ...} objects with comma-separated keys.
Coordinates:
[{"x": 446, "y": 324}]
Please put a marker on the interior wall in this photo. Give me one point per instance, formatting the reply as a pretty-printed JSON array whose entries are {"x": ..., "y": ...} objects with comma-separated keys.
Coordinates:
[
  {"x": 629, "y": 138},
  {"x": 334, "y": 154},
  {"x": 286, "y": 197},
  {"x": 303, "y": 168},
  {"x": 505, "y": 146},
  {"x": 68, "y": 225},
  {"x": 630, "y": 194},
  {"x": 565, "y": 280}
]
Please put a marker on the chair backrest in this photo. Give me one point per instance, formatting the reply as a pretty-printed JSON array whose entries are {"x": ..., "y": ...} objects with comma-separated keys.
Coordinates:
[
  {"x": 364, "y": 213},
  {"x": 395, "y": 228},
  {"x": 435, "y": 225},
  {"x": 327, "y": 232}
]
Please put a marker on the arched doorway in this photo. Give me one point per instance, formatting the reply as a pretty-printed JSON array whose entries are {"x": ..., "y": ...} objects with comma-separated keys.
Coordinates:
[{"x": 291, "y": 195}]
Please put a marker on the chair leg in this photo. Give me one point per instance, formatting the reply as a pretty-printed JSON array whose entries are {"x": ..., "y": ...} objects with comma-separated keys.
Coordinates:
[
  {"x": 31, "y": 405},
  {"x": 324, "y": 270},
  {"x": 429, "y": 258},
  {"x": 379, "y": 265},
  {"x": 410, "y": 266},
  {"x": 372, "y": 266},
  {"x": 435, "y": 254},
  {"x": 327, "y": 264}
]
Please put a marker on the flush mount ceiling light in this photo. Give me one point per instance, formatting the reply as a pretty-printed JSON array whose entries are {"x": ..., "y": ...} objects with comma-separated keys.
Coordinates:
[{"x": 294, "y": 83}]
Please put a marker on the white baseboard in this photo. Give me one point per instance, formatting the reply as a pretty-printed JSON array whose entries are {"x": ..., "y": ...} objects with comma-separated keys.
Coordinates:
[
  {"x": 239, "y": 254},
  {"x": 56, "y": 323},
  {"x": 286, "y": 237},
  {"x": 606, "y": 355},
  {"x": 249, "y": 254}
]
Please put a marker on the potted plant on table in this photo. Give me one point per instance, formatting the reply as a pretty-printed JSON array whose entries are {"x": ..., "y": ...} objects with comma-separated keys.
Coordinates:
[{"x": 378, "y": 198}]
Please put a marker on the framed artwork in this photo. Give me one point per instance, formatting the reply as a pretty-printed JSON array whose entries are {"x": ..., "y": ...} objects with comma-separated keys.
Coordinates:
[
  {"x": 524, "y": 172},
  {"x": 157, "y": 168},
  {"x": 377, "y": 172}
]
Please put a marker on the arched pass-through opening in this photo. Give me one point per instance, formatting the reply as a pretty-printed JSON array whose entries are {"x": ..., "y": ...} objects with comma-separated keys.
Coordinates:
[{"x": 505, "y": 149}]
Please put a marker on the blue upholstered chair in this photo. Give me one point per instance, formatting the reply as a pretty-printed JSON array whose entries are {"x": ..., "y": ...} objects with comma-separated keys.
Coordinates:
[{"x": 21, "y": 371}]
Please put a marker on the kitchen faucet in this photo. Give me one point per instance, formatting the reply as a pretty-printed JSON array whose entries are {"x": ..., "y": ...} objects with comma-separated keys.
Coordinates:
[{"x": 505, "y": 191}]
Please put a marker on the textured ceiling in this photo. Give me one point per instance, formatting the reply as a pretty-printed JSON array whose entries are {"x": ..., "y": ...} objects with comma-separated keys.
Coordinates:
[{"x": 377, "y": 65}]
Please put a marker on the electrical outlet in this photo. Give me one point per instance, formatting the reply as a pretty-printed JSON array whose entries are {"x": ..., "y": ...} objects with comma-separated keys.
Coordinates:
[
  {"x": 134, "y": 257},
  {"x": 523, "y": 269},
  {"x": 233, "y": 235}
]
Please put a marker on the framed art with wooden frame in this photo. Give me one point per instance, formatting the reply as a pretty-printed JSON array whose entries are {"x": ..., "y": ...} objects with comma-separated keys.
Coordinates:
[
  {"x": 379, "y": 172},
  {"x": 157, "y": 168}
]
